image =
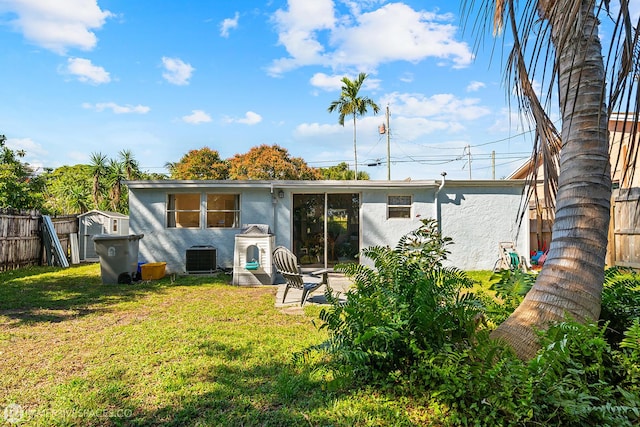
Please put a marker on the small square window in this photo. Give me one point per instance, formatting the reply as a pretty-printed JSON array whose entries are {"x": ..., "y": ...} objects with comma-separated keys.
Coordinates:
[
  {"x": 183, "y": 210},
  {"x": 399, "y": 207},
  {"x": 223, "y": 210}
]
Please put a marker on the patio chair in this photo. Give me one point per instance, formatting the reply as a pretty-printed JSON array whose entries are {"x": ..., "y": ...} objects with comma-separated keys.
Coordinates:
[{"x": 287, "y": 265}]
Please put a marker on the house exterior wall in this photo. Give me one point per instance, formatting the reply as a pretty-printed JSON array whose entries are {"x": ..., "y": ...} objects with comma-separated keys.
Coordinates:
[
  {"x": 162, "y": 244},
  {"x": 377, "y": 229},
  {"x": 477, "y": 215},
  {"x": 478, "y": 219}
]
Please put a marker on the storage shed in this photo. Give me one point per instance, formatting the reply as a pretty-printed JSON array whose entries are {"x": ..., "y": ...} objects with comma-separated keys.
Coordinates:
[{"x": 97, "y": 222}]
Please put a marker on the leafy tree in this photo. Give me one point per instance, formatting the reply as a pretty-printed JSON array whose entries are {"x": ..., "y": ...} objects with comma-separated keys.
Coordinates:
[
  {"x": 350, "y": 103},
  {"x": 561, "y": 40},
  {"x": 156, "y": 176},
  {"x": 204, "y": 163},
  {"x": 68, "y": 189},
  {"x": 20, "y": 187},
  {"x": 270, "y": 162},
  {"x": 342, "y": 172}
]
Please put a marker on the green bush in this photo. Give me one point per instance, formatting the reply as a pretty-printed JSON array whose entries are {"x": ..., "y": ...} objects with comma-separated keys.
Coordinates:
[
  {"x": 510, "y": 287},
  {"x": 577, "y": 379},
  {"x": 403, "y": 308},
  {"x": 413, "y": 325},
  {"x": 620, "y": 302}
]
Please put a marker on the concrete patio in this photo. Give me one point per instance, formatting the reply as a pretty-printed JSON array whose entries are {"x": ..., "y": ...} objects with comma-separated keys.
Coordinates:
[{"x": 338, "y": 283}]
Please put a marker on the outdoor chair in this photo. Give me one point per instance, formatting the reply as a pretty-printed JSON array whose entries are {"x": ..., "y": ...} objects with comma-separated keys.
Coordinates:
[{"x": 287, "y": 265}]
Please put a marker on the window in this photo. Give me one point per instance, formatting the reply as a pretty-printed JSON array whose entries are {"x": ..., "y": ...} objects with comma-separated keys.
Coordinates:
[
  {"x": 399, "y": 207},
  {"x": 223, "y": 210},
  {"x": 183, "y": 210}
]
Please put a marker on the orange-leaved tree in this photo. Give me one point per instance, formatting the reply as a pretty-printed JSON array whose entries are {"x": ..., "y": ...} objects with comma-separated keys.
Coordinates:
[
  {"x": 204, "y": 163},
  {"x": 270, "y": 162}
]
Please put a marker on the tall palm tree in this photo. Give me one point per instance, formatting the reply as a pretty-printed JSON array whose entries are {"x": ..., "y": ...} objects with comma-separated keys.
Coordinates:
[
  {"x": 115, "y": 175},
  {"x": 130, "y": 165},
  {"x": 98, "y": 166},
  {"x": 350, "y": 103},
  {"x": 557, "y": 42}
]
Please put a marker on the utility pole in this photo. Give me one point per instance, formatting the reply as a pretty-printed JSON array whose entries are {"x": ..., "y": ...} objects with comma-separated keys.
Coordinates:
[
  {"x": 493, "y": 164},
  {"x": 385, "y": 129},
  {"x": 469, "y": 155},
  {"x": 388, "y": 147}
]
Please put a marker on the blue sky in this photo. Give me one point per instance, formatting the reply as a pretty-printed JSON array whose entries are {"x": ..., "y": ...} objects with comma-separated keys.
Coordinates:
[{"x": 164, "y": 77}]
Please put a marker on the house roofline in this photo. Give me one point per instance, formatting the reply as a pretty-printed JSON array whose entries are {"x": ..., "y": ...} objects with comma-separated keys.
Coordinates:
[{"x": 290, "y": 184}]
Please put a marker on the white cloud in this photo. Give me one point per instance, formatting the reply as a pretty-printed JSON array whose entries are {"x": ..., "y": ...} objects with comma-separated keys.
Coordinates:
[
  {"x": 332, "y": 83},
  {"x": 196, "y": 117},
  {"x": 57, "y": 25},
  {"x": 407, "y": 77},
  {"x": 177, "y": 71},
  {"x": 30, "y": 147},
  {"x": 250, "y": 118},
  {"x": 442, "y": 105},
  {"x": 475, "y": 86},
  {"x": 315, "y": 129},
  {"x": 117, "y": 109},
  {"x": 229, "y": 24},
  {"x": 86, "y": 72},
  {"x": 312, "y": 34},
  {"x": 326, "y": 82}
]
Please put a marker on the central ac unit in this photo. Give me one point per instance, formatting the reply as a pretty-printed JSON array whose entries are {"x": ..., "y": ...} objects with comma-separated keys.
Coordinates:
[{"x": 201, "y": 259}]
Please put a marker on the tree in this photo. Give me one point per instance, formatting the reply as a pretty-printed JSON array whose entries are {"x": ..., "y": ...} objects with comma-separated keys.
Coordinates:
[
  {"x": 98, "y": 172},
  {"x": 115, "y": 175},
  {"x": 350, "y": 103},
  {"x": 560, "y": 39},
  {"x": 20, "y": 186},
  {"x": 341, "y": 172},
  {"x": 270, "y": 162},
  {"x": 69, "y": 189},
  {"x": 204, "y": 163},
  {"x": 130, "y": 165}
]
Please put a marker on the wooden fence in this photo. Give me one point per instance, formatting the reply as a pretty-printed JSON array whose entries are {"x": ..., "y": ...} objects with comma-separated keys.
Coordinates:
[
  {"x": 624, "y": 241},
  {"x": 21, "y": 237}
]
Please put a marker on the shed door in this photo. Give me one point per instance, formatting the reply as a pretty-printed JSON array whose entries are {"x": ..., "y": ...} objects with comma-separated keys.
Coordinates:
[{"x": 92, "y": 227}]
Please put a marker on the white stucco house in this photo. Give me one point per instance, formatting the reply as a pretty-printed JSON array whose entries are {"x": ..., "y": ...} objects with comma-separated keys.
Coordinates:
[{"x": 188, "y": 224}]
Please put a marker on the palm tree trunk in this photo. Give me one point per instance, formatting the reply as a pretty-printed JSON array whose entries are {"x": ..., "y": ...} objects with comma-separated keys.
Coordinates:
[
  {"x": 355, "y": 150},
  {"x": 570, "y": 283},
  {"x": 96, "y": 191}
]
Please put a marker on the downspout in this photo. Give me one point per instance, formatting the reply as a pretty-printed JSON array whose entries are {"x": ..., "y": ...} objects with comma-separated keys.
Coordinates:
[
  {"x": 436, "y": 211},
  {"x": 274, "y": 203}
]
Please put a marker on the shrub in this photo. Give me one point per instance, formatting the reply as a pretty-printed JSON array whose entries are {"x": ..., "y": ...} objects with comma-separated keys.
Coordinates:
[
  {"x": 620, "y": 302},
  {"x": 510, "y": 287},
  {"x": 577, "y": 379},
  {"x": 403, "y": 308}
]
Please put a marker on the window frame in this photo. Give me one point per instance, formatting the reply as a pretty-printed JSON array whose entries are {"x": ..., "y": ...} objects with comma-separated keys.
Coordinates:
[
  {"x": 399, "y": 207},
  {"x": 236, "y": 211},
  {"x": 176, "y": 211},
  {"x": 202, "y": 212}
]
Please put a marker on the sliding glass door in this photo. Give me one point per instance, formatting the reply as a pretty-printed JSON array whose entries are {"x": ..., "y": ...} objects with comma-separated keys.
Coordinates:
[{"x": 326, "y": 228}]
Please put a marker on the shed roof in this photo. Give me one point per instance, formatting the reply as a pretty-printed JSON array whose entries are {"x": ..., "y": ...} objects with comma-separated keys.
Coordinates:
[{"x": 105, "y": 213}]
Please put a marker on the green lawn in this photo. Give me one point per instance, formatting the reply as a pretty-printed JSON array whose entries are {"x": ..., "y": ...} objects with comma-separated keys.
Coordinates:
[{"x": 189, "y": 351}]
